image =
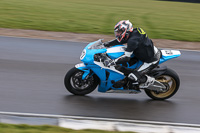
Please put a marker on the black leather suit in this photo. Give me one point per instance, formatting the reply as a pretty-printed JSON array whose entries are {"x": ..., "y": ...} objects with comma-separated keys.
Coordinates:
[{"x": 142, "y": 47}]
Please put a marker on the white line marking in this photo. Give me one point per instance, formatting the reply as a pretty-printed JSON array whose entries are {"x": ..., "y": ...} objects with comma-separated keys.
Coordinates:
[{"x": 99, "y": 119}]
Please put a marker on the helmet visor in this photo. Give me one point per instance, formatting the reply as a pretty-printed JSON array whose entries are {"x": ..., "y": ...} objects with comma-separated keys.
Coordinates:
[{"x": 118, "y": 33}]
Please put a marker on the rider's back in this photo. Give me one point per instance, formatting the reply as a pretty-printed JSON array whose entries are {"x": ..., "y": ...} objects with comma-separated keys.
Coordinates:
[{"x": 141, "y": 45}]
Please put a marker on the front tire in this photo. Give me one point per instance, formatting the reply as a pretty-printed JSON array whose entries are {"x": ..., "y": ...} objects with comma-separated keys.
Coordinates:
[
  {"x": 171, "y": 80},
  {"x": 74, "y": 83}
]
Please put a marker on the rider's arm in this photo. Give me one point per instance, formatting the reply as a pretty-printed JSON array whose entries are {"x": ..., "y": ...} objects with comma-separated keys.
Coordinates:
[
  {"x": 121, "y": 60},
  {"x": 132, "y": 44},
  {"x": 111, "y": 43},
  {"x": 124, "y": 58}
]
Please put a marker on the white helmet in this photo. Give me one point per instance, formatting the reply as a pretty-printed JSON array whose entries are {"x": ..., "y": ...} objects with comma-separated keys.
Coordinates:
[{"x": 122, "y": 30}]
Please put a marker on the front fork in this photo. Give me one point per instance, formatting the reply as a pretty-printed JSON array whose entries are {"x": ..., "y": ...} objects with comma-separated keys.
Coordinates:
[{"x": 82, "y": 67}]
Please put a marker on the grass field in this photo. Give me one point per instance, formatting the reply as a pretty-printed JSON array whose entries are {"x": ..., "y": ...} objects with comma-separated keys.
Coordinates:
[
  {"x": 160, "y": 19},
  {"x": 9, "y": 128}
]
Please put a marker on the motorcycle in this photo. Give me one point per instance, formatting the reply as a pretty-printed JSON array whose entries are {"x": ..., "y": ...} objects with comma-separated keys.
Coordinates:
[{"x": 85, "y": 77}]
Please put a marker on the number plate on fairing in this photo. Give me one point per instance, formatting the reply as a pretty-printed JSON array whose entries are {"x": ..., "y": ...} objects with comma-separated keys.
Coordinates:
[{"x": 170, "y": 52}]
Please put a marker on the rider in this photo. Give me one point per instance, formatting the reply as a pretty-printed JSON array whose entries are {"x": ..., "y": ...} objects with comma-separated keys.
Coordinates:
[{"x": 138, "y": 44}]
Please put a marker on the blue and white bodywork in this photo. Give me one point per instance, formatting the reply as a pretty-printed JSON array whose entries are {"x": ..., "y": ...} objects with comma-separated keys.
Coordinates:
[{"x": 92, "y": 63}]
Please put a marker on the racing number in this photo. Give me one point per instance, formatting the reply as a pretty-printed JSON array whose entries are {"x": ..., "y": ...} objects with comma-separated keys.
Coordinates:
[{"x": 169, "y": 52}]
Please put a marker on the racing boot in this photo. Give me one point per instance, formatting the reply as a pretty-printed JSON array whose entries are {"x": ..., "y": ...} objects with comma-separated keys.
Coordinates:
[
  {"x": 149, "y": 81},
  {"x": 133, "y": 78},
  {"x": 134, "y": 83}
]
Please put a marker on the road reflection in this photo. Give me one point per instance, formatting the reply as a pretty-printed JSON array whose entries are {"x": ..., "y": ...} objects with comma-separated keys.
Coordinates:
[{"x": 123, "y": 108}]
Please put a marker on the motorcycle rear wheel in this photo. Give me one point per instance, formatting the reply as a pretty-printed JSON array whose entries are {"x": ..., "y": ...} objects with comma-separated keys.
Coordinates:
[
  {"x": 171, "y": 80},
  {"x": 74, "y": 83}
]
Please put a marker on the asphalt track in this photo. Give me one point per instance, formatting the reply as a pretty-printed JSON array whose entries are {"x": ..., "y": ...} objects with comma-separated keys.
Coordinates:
[{"x": 31, "y": 81}]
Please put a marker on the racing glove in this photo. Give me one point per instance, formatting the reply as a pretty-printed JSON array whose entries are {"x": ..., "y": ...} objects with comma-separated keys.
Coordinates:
[{"x": 106, "y": 44}]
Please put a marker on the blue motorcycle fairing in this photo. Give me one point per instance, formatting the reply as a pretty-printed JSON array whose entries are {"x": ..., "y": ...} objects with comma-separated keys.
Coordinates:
[
  {"x": 88, "y": 57},
  {"x": 115, "y": 54},
  {"x": 105, "y": 74}
]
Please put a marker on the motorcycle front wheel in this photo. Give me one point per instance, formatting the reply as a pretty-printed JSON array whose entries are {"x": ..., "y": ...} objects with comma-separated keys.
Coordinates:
[
  {"x": 171, "y": 80},
  {"x": 74, "y": 83}
]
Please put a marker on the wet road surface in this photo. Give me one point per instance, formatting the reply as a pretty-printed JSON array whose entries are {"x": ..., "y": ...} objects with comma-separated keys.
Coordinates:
[{"x": 31, "y": 81}]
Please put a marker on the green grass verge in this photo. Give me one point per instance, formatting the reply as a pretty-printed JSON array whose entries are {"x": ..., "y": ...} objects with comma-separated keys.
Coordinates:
[
  {"x": 160, "y": 19},
  {"x": 10, "y": 128}
]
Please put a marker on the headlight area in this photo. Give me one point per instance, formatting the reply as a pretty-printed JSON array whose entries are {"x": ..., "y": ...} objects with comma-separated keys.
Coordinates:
[{"x": 83, "y": 54}]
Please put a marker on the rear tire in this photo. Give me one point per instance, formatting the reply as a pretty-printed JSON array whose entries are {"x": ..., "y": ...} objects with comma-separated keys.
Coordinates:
[
  {"x": 169, "y": 79},
  {"x": 74, "y": 83}
]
